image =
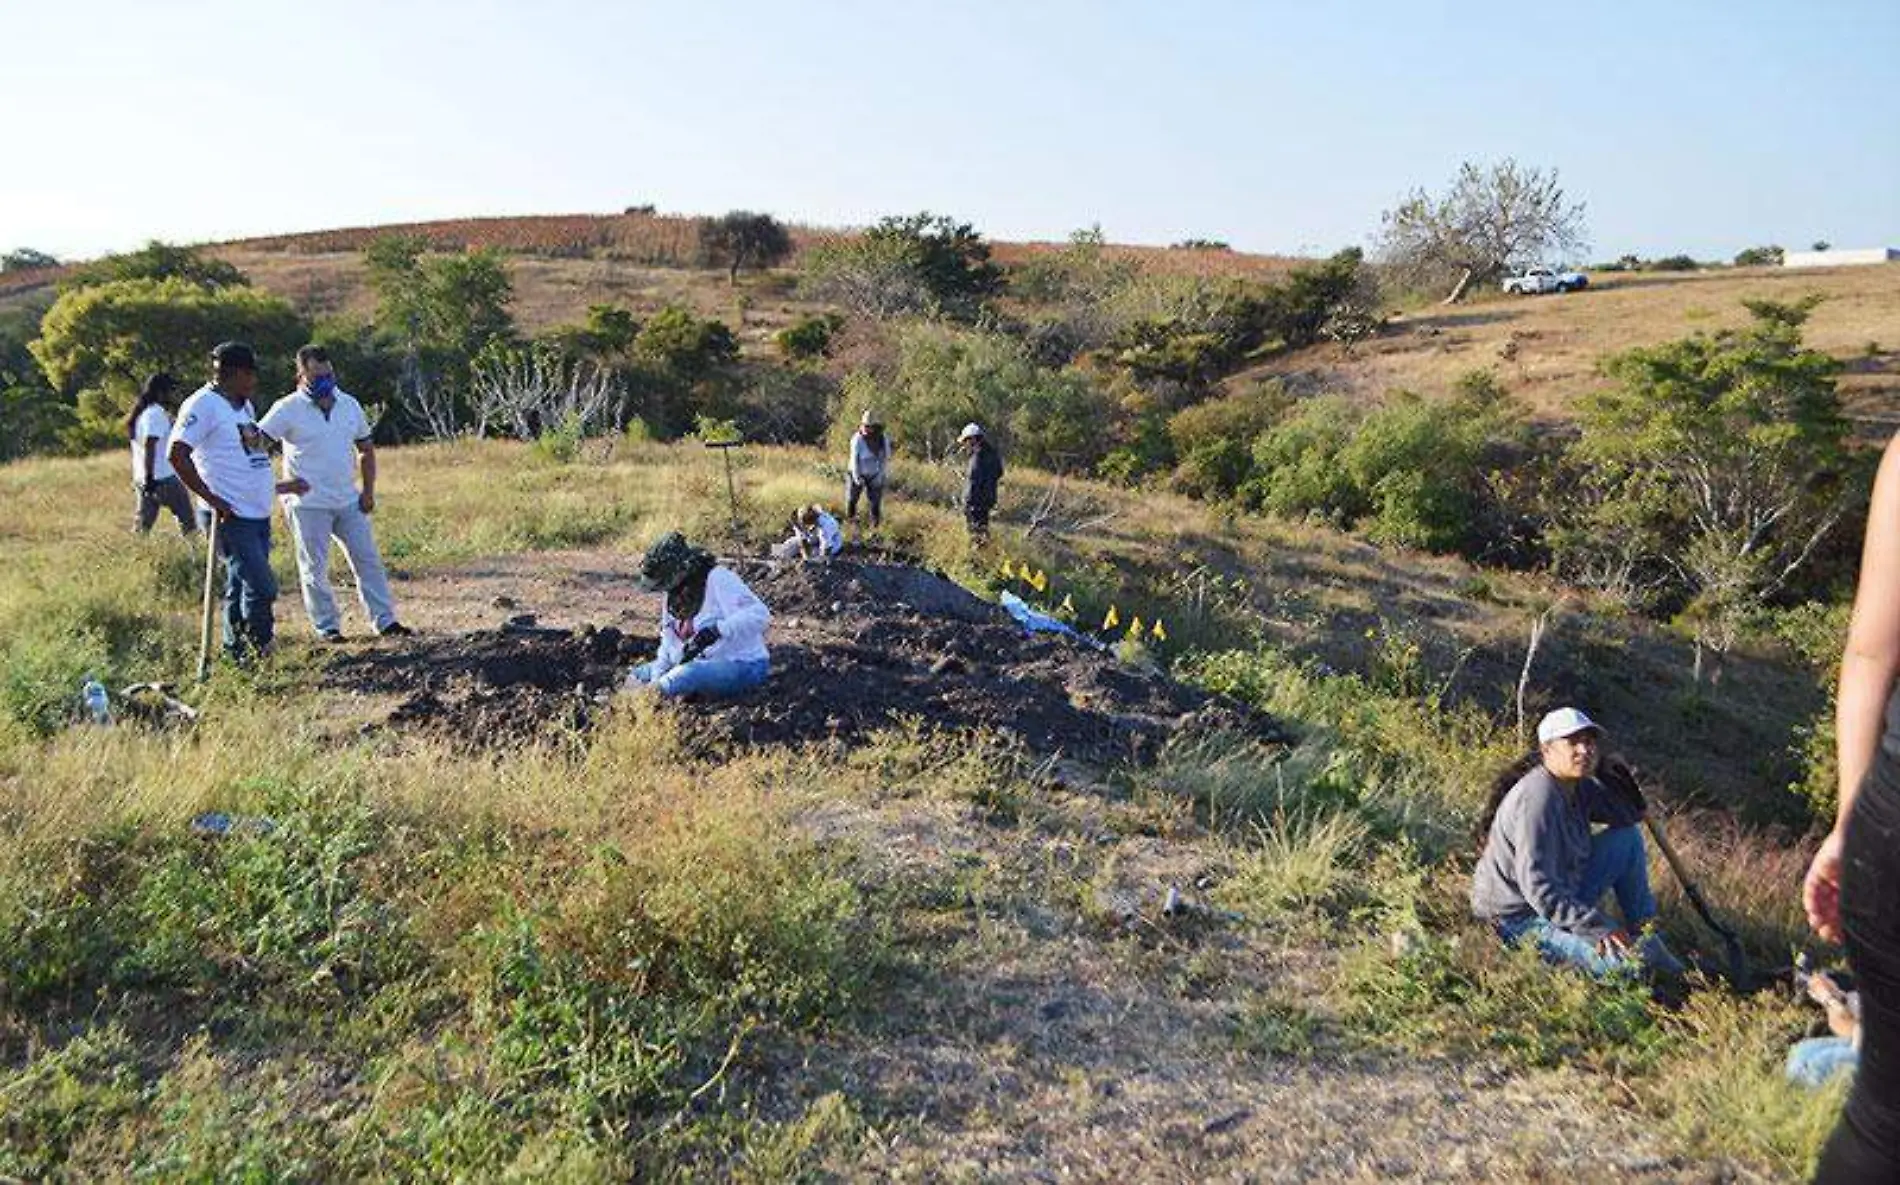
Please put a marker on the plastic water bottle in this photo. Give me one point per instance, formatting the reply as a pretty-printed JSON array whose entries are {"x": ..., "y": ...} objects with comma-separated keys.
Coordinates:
[{"x": 98, "y": 706}]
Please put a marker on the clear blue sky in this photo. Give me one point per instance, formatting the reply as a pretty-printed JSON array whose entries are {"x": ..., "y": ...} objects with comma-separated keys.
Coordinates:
[{"x": 1686, "y": 126}]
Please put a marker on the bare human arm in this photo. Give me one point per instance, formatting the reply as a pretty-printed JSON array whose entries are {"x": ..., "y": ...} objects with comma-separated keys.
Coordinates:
[
  {"x": 366, "y": 464},
  {"x": 1867, "y": 675},
  {"x": 187, "y": 470}
]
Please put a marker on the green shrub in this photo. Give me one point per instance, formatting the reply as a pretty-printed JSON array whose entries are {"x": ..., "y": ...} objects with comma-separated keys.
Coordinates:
[
  {"x": 809, "y": 337},
  {"x": 947, "y": 377}
]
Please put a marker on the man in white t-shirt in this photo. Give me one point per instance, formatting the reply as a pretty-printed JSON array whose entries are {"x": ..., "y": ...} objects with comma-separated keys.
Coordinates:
[
  {"x": 221, "y": 456},
  {"x": 150, "y": 428},
  {"x": 325, "y": 436}
]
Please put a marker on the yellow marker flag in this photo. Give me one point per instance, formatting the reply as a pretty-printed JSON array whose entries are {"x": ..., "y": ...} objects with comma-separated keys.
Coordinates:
[
  {"x": 1134, "y": 628},
  {"x": 1112, "y": 620},
  {"x": 1067, "y": 606},
  {"x": 1009, "y": 573},
  {"x": 1159, "y": 631},
  {"x": 1040, "y": 581}
]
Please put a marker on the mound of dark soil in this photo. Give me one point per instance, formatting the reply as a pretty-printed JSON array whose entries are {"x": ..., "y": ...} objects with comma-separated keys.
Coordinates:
[
  {"x": 856, "y": 647},
  {"x": 494, "y": 688}
]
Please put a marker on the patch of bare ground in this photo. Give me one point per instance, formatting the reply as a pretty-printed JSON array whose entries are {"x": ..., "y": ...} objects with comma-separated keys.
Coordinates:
[{"x": 1061, "y": 1024}]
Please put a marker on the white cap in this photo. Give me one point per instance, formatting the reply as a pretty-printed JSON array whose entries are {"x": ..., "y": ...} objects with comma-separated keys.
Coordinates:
[
  {"x": 970, "y": 429},
  {"x": 1564, "y": 722}
]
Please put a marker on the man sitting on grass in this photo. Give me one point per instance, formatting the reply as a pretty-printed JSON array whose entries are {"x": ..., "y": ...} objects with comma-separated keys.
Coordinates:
[
  {"x": 1543, "y": 873},
  {"x": 712, "y": 627}
]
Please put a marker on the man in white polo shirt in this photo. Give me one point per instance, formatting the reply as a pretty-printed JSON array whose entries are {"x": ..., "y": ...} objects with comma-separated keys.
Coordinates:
[
  {"x": 221, "y": 456},
  {"x": 325, "y": 434}
]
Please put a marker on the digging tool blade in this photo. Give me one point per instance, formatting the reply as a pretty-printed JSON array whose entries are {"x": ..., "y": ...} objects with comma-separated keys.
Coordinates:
[{"x": 1737, "y": 961}]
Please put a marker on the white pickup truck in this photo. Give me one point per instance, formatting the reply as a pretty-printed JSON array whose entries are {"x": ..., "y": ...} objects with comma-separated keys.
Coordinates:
[{"x": 1542, "y": 279}]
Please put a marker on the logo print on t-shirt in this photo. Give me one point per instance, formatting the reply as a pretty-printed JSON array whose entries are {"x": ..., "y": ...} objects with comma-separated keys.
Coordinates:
[{"x": 253, "y": 442}]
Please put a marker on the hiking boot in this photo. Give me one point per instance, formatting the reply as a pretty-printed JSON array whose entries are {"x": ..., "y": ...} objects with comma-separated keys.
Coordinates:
[
  {"x": 330, "y": 636},
  {"x": 395, "y": 629}
]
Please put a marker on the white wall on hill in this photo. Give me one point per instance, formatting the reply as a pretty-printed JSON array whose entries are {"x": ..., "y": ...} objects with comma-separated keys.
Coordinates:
[{"x": 1835, "y": 258}]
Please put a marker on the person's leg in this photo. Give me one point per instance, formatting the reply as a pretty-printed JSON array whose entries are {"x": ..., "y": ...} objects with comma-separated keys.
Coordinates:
[
  {"x": 713, "y": 678},
  {"x": 254, "y": 621},
  {"x": 852, "y": 489},
  {"x": 353, "y": 530},
  {"x": 146, "y": 512},
  {"x": 1865, "y": 1145},
  {"x": 874, "y": 490},
  {"x": 1813, "y": 1062},
  {"x": 978, "y": 518},
  {"x": 1559, "y": 947},
  {"x": 177, "y": 499},
  {"x": 1619, "y": 863},
  {"x": 310, "y": 529}
]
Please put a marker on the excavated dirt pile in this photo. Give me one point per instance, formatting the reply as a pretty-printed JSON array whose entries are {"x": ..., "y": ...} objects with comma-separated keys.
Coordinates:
[{"x": 855, "y": 648}]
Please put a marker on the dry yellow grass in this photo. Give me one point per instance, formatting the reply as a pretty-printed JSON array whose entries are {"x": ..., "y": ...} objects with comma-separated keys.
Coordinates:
[{"x": 1545, "y": 349}]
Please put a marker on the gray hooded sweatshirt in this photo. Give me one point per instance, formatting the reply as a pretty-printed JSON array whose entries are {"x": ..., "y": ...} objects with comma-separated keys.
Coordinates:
[{"x": 1535, "y": 856}]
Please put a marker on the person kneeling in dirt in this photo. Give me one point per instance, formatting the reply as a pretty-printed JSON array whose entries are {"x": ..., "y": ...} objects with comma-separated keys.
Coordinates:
[
  {"x": 1542, "y": 872},
  {"x": 712, "y": 627},
  {"x": 1816, "y": 1061},
  {"x": 815, "y": 536}
]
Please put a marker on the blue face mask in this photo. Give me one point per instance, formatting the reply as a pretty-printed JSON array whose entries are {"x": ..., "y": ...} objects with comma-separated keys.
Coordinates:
[{"x": 323, "y": 386}]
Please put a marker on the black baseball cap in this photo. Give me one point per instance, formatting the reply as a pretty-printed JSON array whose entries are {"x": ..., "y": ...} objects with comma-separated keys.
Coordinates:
[{"x": 234, "y": 356}]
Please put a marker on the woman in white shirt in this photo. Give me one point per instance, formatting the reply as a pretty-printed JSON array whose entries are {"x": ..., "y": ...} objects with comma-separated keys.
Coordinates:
[
  {"x": 712, "y": 627},
  {"x": 149, "y": 426},
  {"x": 870, "y": 464}
]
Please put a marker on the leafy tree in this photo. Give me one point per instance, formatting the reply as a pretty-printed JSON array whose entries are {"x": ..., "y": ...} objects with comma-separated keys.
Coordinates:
[
  {"x": 742, "y": 239},
  {"x": 1490, "y": 220},
  {"x": 1823, "y": 245},
  {"x": 1731, "y": 452},
  {"x": 32, "y": 415},
  {"x": 916, "y": 264},
  {"x": 950, "y": 257},
  {"x": 685, "y": 364},
  {"x": 605, "y": 334},
  {"x": 158, "y": 261},
  {"x": 808, "y": 338},
  {"x": 946, "y": 377},
  {"x": 24, "y": 259},
  {"x": 873, "y": 278},
  {"x": 97, "y": 343},
  {"x": 1769, "y": 256},
  {"x": 440, "y": 311}
]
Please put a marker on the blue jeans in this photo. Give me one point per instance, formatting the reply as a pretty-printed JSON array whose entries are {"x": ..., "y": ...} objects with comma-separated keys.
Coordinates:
[
  {"x": 1812, "y": 1063},
  {"x": 1619, "y": 864},
  {"x": 705, "y": 677},
  {"x": 250, "y": 587}
]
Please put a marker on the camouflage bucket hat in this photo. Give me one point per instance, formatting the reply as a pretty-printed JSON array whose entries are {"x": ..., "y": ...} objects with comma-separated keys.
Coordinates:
[{"x": 670, "y": 560}]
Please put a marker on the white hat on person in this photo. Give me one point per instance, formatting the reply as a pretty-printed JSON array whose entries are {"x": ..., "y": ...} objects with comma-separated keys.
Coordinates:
[
  {"x": 970, "y": 429},
  {"x": 1564, "y": 722}
]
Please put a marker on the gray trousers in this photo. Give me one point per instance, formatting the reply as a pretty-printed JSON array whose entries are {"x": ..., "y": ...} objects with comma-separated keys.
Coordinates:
[
  {"x": 167, "y": 493},
  {"x": 313, "y": 528}
]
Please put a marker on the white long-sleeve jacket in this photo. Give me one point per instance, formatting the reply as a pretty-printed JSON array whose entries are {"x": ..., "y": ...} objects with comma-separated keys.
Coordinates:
[{"x": 741, "y": 617}]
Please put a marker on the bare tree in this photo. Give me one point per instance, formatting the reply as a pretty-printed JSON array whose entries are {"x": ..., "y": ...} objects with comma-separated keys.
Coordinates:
[
  {"x": 1492, "y": 219},
  {"x": 529, "y": 391}
]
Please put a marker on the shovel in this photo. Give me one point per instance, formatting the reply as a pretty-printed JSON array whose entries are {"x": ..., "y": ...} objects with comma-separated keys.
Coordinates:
[
  {"x": 1737, "y": 969},
  {"x": 204, "y": 626}
]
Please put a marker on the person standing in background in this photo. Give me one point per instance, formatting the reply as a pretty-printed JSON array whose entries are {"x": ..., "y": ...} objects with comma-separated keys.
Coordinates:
[
  {"x": 150, "y": 427},
  {"x": 326, "y": 437},
  {"x": 1852, "y": 891},
  {"x": 221, "y": 456},
  {"x": 870, "y": 463},
  {"x": 981, "y": 482}
]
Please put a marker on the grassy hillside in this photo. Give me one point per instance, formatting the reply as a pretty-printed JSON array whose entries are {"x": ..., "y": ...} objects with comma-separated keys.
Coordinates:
[
  {"x": 1545, "y": 349},
  {"x": 600, "y": 949}
]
